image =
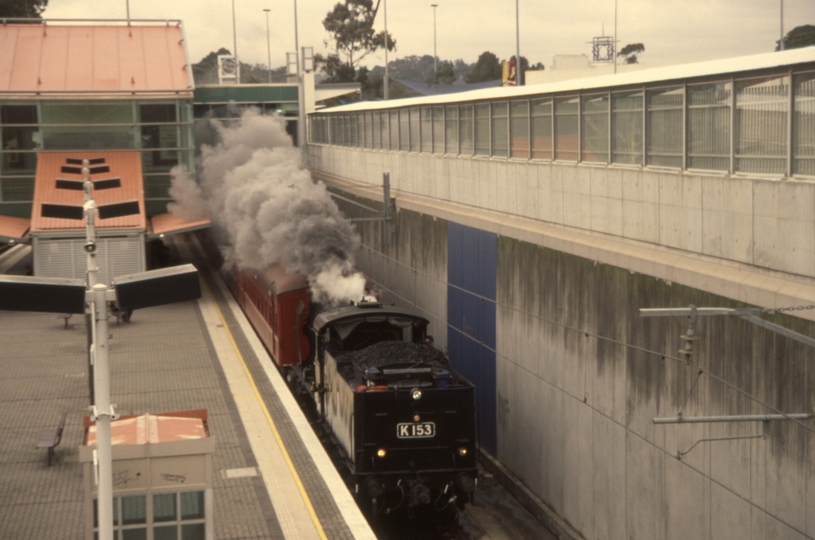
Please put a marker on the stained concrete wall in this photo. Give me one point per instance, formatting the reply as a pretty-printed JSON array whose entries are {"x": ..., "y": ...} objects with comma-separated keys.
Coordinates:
[{"x": 580, "y": 376}]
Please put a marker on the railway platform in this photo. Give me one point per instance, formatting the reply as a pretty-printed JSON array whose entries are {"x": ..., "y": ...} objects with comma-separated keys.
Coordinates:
[{"x": 272, "y": 478}]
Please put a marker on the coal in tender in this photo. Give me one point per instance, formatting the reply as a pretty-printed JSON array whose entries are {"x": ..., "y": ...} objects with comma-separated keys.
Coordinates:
[{"x": 392, "y": 352}]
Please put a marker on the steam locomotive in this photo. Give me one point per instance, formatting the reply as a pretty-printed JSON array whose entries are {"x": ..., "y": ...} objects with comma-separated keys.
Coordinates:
[{"x": 402, "y": 421}]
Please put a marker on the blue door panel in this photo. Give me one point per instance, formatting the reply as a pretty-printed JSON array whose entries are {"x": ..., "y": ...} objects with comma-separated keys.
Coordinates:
[{"x": 471, "y": 274}]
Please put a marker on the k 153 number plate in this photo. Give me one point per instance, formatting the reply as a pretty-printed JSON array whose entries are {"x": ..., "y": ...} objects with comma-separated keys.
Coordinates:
[{"x": 421, "y": 430}]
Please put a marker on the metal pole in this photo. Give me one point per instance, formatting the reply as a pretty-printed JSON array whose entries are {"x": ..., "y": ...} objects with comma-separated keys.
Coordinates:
[
  {"x": 268, "y": 45},
  {"x": 517, "y": 46},
  {"x": 301, "y": 107},
  {"x": 614, "y": 45},
  {"x": 235, "y": 46},
  {"x": 435, "y": 58},
  {"x": 102, "y": 411},
  {"x": 385, "y": 86},
  {"x": 781, "y": 41},
  {"x": 128, "y": 11}
]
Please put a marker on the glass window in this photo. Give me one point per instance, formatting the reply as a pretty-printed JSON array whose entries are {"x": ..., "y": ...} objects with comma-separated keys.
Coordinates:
[
  {"x": 360, "y": 119},
  {"x": 90, "y": 126},
  {"x": 542, "y": 129},
  {"x": 566, "y": 128},
  {"x": 394, "y": 125},
  {"x": 192, "y": 505},
  {"x": 427, "y": 130},
  {"x": 404, "y": 130},
  {"x": 482, "y": 130},
  {"x": 438, "y": 130},
  {"x": 466, "y": 131},
  {"x": 451, "y": 130},
  {"x": 664, "y": 108},
  {"x": 803, "y": 127},
  {"x": 164, "y": 508},
  {"x": 626, "y": 128},
  {"x": 709, "y": 126},
  {"x": 761, "y": 125},
  {"x": 594, "y": 130},
  {"x": 369, "y": 130},
  {"x": 500, "y": 129},
  {"x": 519, "y": 129},
  {"x": 16, "y": 135},
  {"x": 377, "y": 127},
  {"x": 415, "y": 130},
  {"x": 384, "y": 129},
  {"x": 134, "y": 509}
]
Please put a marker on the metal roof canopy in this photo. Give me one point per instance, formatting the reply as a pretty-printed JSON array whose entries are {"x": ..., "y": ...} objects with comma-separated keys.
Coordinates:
[{"x": 93, "y": 58}]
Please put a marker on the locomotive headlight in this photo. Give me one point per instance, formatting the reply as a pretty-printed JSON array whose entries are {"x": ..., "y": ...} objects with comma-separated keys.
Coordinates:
[
  {"x": 462, "y": 451},
  {"x": 381, "y": 452},
  {"x": 417, "y": 418},
  {"x": 416, "y": 394}
]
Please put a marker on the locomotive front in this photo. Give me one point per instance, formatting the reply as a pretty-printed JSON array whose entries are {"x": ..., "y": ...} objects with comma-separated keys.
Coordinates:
[{"x": 403, "y": 420}]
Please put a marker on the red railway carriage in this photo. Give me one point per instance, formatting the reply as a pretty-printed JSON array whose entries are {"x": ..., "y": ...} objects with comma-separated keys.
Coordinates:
[{"x": 277, "y": 305}]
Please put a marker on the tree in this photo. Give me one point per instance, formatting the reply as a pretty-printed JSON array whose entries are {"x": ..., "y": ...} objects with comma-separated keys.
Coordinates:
[
  {"x": 444, "y": 75},
  {"x": 631, "y": 51},
  {"x": 350, "y": 24},
  {"x": 22, "y": 8},
  {"x": 800, "y": 36},
  {"x": 487, "y": 68}
]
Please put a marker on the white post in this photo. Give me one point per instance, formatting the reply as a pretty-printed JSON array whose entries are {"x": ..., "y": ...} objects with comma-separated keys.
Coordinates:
[
  {"x": 301, "y": 106},
  {"x": 235, "y": 46},
  {"x": 517, "y": 45},
  {"x": 268, "y": 45},
  {"x": 385, "y": 86},
  {"x": 102, "y": 410},
  {"x": 435, "y": 58}
]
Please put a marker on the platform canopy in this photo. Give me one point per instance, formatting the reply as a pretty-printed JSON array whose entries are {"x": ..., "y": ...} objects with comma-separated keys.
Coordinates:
[{"x": 69, "y": 59}]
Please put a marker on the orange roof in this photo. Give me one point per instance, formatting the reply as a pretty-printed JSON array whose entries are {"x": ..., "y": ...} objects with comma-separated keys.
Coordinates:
[
  {"x": 100, "y": 58},
  {"x": 13, "y": 228},
  {"x": 150, "y": 428},
  {"x": 123, "y": 164},
  {"x": 167, "y": 224}
]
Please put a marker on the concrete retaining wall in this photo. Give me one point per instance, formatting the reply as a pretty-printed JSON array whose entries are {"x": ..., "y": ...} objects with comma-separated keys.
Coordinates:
[{"x": 580, "y": 376}]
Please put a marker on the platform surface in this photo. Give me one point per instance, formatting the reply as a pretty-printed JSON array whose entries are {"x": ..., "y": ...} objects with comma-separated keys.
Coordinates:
[{"x": 271, "y": 478}]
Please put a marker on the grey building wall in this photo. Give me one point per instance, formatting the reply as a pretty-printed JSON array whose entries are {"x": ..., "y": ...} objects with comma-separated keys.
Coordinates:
[{"x": 580, "y": 376}]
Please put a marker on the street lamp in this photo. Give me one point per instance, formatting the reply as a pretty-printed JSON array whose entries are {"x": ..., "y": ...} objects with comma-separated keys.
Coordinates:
[
  {"x": 235, "y": 46},
  {"x": 301, "y": 106},
  {"x": 518, "y": 81},
  {"x": 435, "y": 58},
  {"x": 781, "y": 41},
  {"x": 268, "y": 45},
  {"x": 385, "y": 87}
]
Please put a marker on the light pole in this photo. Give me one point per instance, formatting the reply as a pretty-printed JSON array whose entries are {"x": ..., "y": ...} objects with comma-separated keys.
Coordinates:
[
  {"x": 518, "y": 81},
  {"x": 268, "y": 45},
  {"x": 301, "y": 107},
  {"x": 781, "y": 41},
  {"x": 435, "y": 58},
  {"x": 235, "y": 46},
  {"x": 614, "y": 46},
  {"x": 385, "y": 86}
]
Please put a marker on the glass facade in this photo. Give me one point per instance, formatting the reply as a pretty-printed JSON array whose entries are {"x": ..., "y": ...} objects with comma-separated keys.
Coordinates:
[
  {"x": 162, "y": 130},
  {"x": 168, "y": 516},
  {"x": 754, "y": 125}
]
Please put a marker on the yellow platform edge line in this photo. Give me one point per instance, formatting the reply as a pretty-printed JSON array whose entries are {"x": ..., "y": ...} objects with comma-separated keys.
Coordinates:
[{"x": 269, "y": 419}]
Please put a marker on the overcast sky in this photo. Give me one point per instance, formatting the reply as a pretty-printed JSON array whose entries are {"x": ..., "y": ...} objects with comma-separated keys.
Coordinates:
[{"x": 673, "y": 31}]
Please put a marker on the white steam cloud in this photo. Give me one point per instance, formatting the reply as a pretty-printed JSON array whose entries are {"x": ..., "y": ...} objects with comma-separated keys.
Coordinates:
[{"x": 252, "y": 187}]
